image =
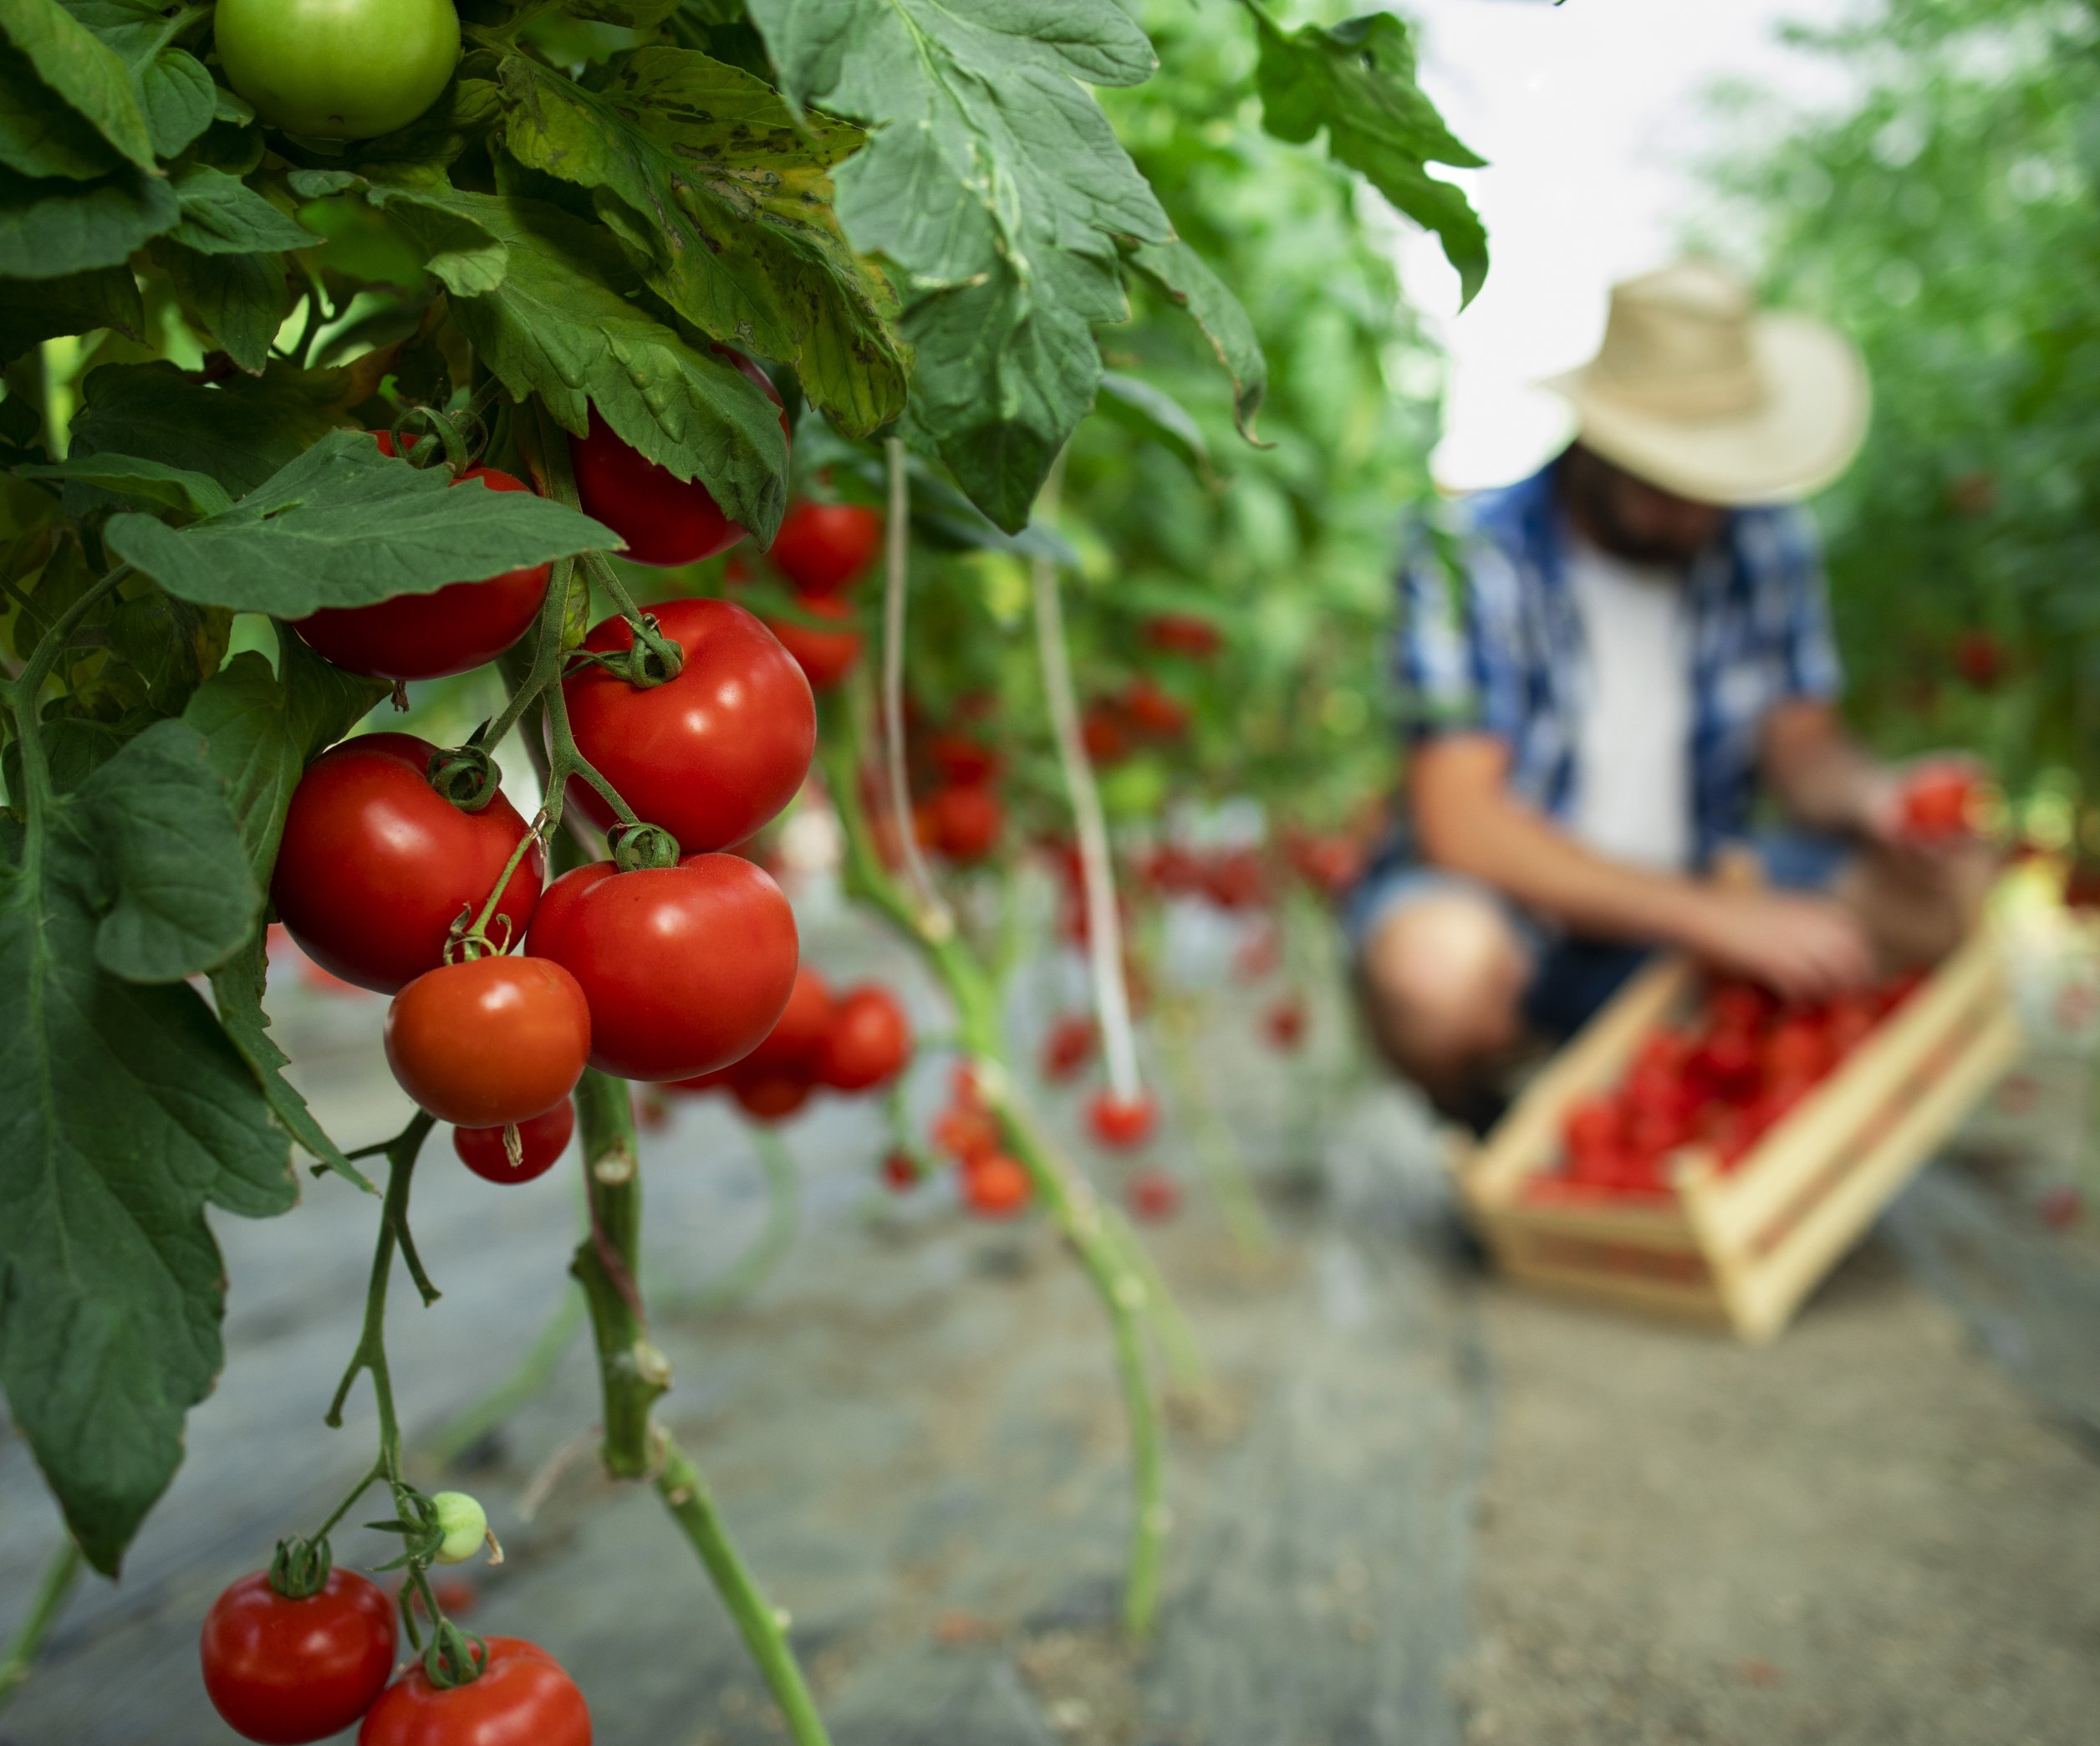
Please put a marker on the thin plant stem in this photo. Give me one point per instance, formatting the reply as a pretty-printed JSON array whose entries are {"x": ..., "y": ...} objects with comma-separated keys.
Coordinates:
[
  {"x": 896, "y": 588},
  {"x": 53, "y": 1589}
]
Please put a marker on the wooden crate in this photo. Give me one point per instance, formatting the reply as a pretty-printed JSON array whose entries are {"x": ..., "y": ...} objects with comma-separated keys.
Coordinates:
[{"x": 1742, "y": 1249}]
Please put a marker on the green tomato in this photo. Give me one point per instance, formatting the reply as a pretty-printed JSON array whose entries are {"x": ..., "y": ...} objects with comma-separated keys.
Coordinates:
[
  {"x": 338, "y": 69},
  {"x": 466, "y": 1525}
]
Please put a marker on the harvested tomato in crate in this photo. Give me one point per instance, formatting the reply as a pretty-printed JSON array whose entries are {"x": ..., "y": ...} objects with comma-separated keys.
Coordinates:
[{"x": 1701, "y": 1150}]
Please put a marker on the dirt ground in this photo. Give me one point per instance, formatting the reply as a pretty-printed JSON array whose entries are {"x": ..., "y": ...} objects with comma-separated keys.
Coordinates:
[{"x": 1418, "y": 1508}]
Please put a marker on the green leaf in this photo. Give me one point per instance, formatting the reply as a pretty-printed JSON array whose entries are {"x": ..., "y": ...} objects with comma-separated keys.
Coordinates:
[
  {"x": 34, "y": 309},
  {"x": 41, "y": 134},
  {"x": 457, "y": 251},
  {"x": 240, "y": 431},
  {"x": 994, "y": 185},
  {"x": 260, "y": 733},
  {"x": 188, "y": 494},
  {"x": 70, "y": 60},
  {"x": 158, "y": 816},
  {"x": 344, "y": 525},
  {"x": 123, "y": 1111},
  {"x": 564, "y": 325},
  {"x": 175, "y": 94},
  {"x": 222, "y": 214},
  {"x": 638, "y": 14},
  {"x": 236, "y": 993},
  {"x": 727, "y": 201},
  {"x": 1357, "y": 81},
  {"x": 1152, "y": 412},
  {"x": 241, "y": 300},
  {"x": 1187, "y": 280},
  {"x": 51, "y": 229}
]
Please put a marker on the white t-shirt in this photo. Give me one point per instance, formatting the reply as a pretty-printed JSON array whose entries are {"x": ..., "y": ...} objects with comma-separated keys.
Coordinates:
[{"x": 1633, "y": 771}]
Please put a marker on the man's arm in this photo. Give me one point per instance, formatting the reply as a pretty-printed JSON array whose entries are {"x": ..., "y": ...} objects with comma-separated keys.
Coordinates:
[
  {"x": 1466, "y": 820},
  {"x": 1820, "y": 775}
]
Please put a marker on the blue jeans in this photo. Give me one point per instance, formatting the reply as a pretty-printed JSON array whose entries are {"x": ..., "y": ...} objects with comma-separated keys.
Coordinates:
[{"x": 1572, "y": 977}]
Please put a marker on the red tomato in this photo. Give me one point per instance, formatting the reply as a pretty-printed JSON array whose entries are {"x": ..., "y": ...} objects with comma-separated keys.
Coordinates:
[
  {"x": 1154, "y": 1195},
  {"x": 491, "y": 1041},
  {"x": 1067, "y": 1046},
  {"x": 965, "y": 824},
  {"x": 965, "y": 1134},
  {"x": 522, "y": 1698},
  {"x": 1120, "y": 1124},
  {"x": 900, "y": 1169},
  {"x": 664, "y": 520},
  {"x": 284, "y": 1672},
  {"x": 962, "y": 762},
  {"x": 540, "y": 1141},
  {"x": 823, "y": 547},
  {"x": 710, "y": 755},
  {"x": 1797, "y": 1048},
  {"x": 1106, "y": 739},
  {"x": 1233, "y": 879},
  {"x": 686, "y": 968},
  {"x": 994, "y": 1185},
  {"x": 768, "y": 1096},
  {"x": 376, "y": 865},
  {"x": 1183, "y": 633},
  {"x": 1284, "y": 1023},
  {"x": 1726, "y": 1064},
  {"x": 1936, "y": 802},
  {"x": 794, "y": 1044},
  {"x": 869, "y": 1041},
  {"x": 1739, "y": 1006},
  {"x": 1330, "y": 863},
  {"x": 453, "y": 630},
  {"x": 1154, "y": 711},
  {"x": 1981, "y": 659},
  {"x": 1590, "y": 1129},
  {"x": 825, "y": 657}
]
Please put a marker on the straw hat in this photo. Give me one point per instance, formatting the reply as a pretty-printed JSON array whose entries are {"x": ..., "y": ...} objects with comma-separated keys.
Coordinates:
[{"x": 1698, "y": 391}]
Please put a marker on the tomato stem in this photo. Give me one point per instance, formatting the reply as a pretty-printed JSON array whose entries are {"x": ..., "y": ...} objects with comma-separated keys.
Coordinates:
[
  {"x": 655, "y": 659},
  {"x": 935, "y": 916},
  {"x": 53, "y": 1589}
]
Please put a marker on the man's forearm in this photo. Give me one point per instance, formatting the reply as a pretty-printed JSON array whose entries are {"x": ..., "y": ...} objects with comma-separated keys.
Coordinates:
[{"x": 1820, "y": 775}]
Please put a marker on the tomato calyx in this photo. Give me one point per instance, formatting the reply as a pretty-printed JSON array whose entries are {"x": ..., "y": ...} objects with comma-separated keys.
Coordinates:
[
  {"x": 639, "y": 848},
  {"x": 453, "y": 1657},
  {"x": 653, "y": 659},
  {"x": 299, "y": 1569},
  {"x": 466, "y": 776},
  {"x": 458, "y": 454}
]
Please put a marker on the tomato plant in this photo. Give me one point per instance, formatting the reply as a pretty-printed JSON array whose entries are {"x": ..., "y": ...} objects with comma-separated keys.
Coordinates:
[{"x": 284, "y": 1668}]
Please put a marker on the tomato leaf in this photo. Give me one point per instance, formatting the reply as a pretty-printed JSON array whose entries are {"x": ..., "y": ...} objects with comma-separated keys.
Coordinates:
[
  {"x": 50, "y": 228},
  {"x": 84, "y": 70},
  {"x": 1188, "y": 281},
  {"x": 1137, "y": 405},
  {"x": 563, "y": 325},
  {"x": 175, "y": 94},
  {"x": 240, "y": 299},
  {"x": 123, "y": 1110},
  {"x": 640, "y": 14},
  {"x": 222, "y": 214},
  {"x": 239, "y": 432},
  {"x": 1357, "y": 81},
  {"x": 35, "y": 310},
  {"x": 260, "y": 732},
  {"x": 41, "y": 134},
  {"x": 188, "y": 494},
  {"x": 704, "y": 172},
  {"x": 236, "y": 993},
  {"x": 993, "y": 185},
  {"x": 344, "y": 525}
]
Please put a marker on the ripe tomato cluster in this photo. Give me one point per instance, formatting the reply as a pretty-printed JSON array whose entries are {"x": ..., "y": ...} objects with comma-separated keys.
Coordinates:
[
  {"x": 286, "y": 1664},
  {"x": 856, "y": 1041},
  {"x": 994, "y": 1183},
  {"x": 1723, "y": 1082},
  {"x": 1144, "y": 712},
  {"x": 958, "y": 813}
]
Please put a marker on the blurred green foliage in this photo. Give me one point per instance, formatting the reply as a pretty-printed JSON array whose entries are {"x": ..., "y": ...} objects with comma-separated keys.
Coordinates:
[{"x": 1945, "y": 215}]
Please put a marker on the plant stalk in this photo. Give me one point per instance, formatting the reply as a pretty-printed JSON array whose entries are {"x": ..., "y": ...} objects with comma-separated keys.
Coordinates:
[{"x": 53, "y": 1589}]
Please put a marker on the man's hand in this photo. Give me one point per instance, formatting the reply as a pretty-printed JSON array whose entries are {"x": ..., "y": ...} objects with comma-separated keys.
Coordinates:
[{"x": 1803, "y": 947}]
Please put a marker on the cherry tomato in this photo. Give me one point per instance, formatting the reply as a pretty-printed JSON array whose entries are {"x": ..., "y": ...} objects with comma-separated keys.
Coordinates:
[
  {"x": 284, "y": 1672},
  {"x": 1284, "y": 1023},
  {"x": 710, "y": 755},
  {"x": 686, "y": 968},
  {"x": 1937, "y": 801},
  {"x": 868, "y": 1043},
  {"x": 961, "y": 760},
  {"x": 766, "y": 1096},
  {"x": 1120, "y": 1124},
  {"x": 1182, "y": 633},
  {"x": 1797, "y": 1048},
  {"x": 376, "y": 865},
  {"x": 1101, "y": 730},
  {"x": 965, "y": 824},
  {"x": 664, "y": 520},
  {"x": 1154, "y": 711},
  {"x": 1590, "y": 1129},
  {"x": 966, "y": 1134},
  {"x": 1981, "y": 659},
  {"x": 338, "y": 69},
  {"x": 994, "y": 1185},
  {"x": 825, "y": 657},
  {"x": 489, "y": 1042},
  {"x": 522, "y": 1697},
  {"x": 900, "y": 1169},
  {"x": 794, "y": 1044},
  {"x": 1739, "y": 1006},
  {"x": 541, "y": 1141},
  {"x": 822, "y": 547},
  {"x": 1067, "y": 1046},
  {"x": 429, "y": 635},
  {"x": 1154, "y": 1196}
]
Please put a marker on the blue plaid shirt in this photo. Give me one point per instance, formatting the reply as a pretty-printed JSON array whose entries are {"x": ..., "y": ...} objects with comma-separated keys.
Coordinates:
[{"x": 1502, "y": 652}]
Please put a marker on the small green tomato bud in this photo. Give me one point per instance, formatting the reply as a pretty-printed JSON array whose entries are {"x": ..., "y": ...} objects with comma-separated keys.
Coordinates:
[{"x": 466, "y": 1525}]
